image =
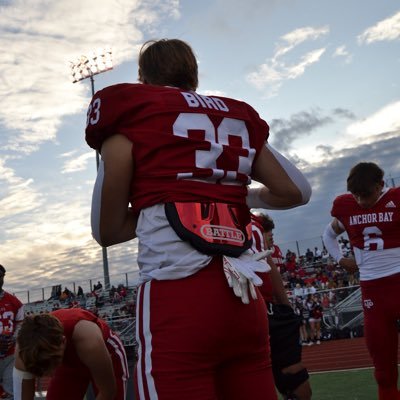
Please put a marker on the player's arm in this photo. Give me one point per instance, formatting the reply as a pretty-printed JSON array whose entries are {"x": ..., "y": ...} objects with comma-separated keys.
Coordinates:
[
  {"x": 284, "y": 185},
  {"x": 112, "y": 220},
  {"x": 23, "y": 381},
  {"x": 92, "y": 351},
  {"x": 278, "y": 290},
  {"x": 329, "y": 237}
]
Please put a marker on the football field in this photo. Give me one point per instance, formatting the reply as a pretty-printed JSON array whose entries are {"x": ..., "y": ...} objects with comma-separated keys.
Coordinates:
[{"x": 355, "y": 384}]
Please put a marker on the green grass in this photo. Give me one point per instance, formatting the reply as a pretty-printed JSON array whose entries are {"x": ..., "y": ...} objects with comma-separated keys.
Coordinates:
[{"x": 344, "y": 385}]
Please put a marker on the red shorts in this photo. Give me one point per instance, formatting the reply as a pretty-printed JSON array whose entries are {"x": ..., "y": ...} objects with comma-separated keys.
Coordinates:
[
  {"x": 198, "y": 341},
  {"x": 381, "y": 303}
]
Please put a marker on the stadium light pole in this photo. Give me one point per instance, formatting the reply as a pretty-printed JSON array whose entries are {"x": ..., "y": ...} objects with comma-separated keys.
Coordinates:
[{"x": 96, "y": 62}]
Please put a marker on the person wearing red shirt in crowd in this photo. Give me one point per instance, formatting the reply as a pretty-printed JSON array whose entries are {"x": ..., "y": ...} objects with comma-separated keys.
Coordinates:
[
  {"x": 74, "y": 347},
  {"x": 290, "y": 263},
  {"x": 175, "y": 169},
  {"x": 11, "y": 316},
  {"x": 290, "y": 375},
  {"x": 370, "y": 214}
]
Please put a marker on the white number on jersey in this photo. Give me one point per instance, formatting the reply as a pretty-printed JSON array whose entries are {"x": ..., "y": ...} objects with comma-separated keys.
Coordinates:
[
  {"x": 6, "y": 322},
  {"x": 93, "y": 113},
  {"x": 217, "y": 138},
  {"x": 373, "y": 235}
]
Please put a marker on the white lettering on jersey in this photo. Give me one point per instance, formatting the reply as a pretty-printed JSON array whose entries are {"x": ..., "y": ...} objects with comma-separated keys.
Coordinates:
[
  {"x": 371, "y": 218},
  {"x": 195, "y": 100}
]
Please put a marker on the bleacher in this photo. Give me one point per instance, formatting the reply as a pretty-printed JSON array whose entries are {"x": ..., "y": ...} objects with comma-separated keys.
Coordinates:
[{"x": 101, "y": 303}]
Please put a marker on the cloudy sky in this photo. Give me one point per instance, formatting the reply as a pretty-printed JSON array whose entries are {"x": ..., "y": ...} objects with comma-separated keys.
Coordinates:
[{"x": 325, "y": 75}]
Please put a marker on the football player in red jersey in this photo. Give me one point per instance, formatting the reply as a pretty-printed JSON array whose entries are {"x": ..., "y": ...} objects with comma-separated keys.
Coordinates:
[
  {"x": 11, "y": 316},
  {"x": 174, "y": 172},
  {"x": 74, "y": 347},
  {"x": 370, "y": 214},
  {"x": 268, "y": 225},
  {"x": 290, "y": 375}
]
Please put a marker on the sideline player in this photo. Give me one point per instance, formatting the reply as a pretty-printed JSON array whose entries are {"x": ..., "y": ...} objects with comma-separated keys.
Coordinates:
[
  {"x": 183, "y": 162},
  {"x": 290, "y": 375},
  {"x": 370, "y": 214},
  {"x": 75, "y": 348},
  {"x": 268, "y": 225},
  {"x": 11, "y": 316}
]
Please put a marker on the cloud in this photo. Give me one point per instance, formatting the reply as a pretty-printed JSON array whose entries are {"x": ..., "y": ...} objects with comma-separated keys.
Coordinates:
[
  {"x": 38, "y": 41},
  {"x": 343, "y": 113},
  {"x": 78, "y": 163},
  {"x": 285, "y": 131},
  {"x": 387, "y": 119},
  {"x": 341, "y": 51},
  {"x": 385, "y": 30},
  {"x": 276, "y": 70},
  {"x": 16, "y": 194}
]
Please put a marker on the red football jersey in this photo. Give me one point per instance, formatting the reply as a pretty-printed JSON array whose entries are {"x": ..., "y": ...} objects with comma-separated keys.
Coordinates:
[
  {"x": 11, "y": 313},
  {"x": 258, "y": 245},
  {"x": 69, "y": 317},
  {"x": 186, "y": 146},
  {"x": 277, "y": 256},
  {"x": 374, "y": 228}
]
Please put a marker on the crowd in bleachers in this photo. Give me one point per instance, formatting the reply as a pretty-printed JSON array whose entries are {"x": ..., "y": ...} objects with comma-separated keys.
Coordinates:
[
  {"x": 315, "y": 284},
  {"x": 314, "y": 271},
  {"x": 116, "y": 306}
]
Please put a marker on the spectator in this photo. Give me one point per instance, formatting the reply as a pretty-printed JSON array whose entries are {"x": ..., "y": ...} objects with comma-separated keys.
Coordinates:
[
  {"x": 80, "y": 293},
  {"x": 317, "y": 254},
  {"x": 113, "y": 289},
  {"x": 309, "y": 256},
  {"x": 299, "y": 310},
  {"x": 98, "y": 287},
  {"x": 325, "y": 302},
  {"x": 315, "y": 319},
  {"x": 122, "y": 291},
  {"x": 298, "y": 291},
  {"x": 11, "y": 316},
  {"x": 309, "y": 289}
]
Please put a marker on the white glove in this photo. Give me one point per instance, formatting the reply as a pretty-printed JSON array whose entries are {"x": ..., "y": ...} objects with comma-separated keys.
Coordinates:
[{"x": 241, "y": 273}]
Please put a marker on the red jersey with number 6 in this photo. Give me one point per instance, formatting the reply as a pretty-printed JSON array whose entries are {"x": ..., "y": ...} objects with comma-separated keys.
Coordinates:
[
  {"x": 186, "y": 146},
  {"x": 374, "y": 228}
]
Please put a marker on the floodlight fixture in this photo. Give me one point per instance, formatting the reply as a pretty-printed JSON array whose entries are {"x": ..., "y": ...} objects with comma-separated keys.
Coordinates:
[{"x": 98, "y": 61}]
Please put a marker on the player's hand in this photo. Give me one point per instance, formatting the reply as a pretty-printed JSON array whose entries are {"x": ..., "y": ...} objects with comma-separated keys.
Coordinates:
[
  {"x": 241, "y": 274},
  {"x": 349, "y": 264}
]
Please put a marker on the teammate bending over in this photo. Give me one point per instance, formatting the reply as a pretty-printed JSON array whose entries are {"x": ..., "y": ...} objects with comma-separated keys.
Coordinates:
[
  {"x": 75, "y": 348},
  {"x": 370, "y": 215},
  {"x": 183, "y": 161}
]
